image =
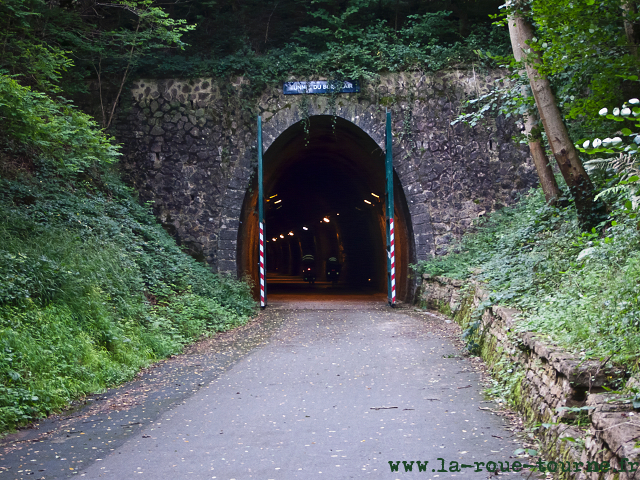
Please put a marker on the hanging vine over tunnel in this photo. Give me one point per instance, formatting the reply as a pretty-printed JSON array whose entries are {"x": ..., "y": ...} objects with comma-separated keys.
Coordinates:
[{"x": 324, "y": 196}]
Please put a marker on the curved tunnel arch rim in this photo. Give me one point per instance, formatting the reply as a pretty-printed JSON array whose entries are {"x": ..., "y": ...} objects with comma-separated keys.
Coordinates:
[{"x": 401, "y": 205}]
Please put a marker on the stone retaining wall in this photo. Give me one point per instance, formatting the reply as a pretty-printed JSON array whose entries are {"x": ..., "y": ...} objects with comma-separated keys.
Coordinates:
[{"x": 545, "y": 382}]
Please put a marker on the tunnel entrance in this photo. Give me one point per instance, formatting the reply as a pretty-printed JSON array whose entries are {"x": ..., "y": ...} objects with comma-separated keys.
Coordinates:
[{"x": 324, "y": 184}]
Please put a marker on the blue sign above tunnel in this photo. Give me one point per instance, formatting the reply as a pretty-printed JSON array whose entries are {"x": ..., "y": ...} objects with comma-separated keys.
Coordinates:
[{"x": 320, "y": 86}]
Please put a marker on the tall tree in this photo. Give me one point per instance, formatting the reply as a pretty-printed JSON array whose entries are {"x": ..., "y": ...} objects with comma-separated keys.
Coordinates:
[
  {"x": 589, "y": 211},
  {"x": 631, "y": 27},
  {"x": 532, "y": 130},
  {"x": 584, "y": 48}
]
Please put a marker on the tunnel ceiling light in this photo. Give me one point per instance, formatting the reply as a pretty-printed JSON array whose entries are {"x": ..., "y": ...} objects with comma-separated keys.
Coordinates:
[
  {"x": 272, "y": 196},
  {"x": 337, "y": 214},
  {"x": 305, "y": 228},
  {"x": 375, "y": 195},
  {"x": 325, "y": 220},
  {"x": 291, "y": 234},
  {"x": 277, "y": 201},
  {"x": 281, "y": 236},
  {"x": 367, "y": 201},
  {"x": 273, "y": 239}
]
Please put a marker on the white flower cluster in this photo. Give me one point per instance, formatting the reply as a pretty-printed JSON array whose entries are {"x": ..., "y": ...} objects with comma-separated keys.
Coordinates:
[
  {"x": 607, "y": 142},
  {"x": 617, "y": 142},
  {"x": 625, "y": 111}
]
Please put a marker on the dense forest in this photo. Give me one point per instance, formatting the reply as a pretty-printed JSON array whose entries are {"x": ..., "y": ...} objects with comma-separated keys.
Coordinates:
[
  {"x": 92, "y": 289},
  {"x": 81, "y": 42}
]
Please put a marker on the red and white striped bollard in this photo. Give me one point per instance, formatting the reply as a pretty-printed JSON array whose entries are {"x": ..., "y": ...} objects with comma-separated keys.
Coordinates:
[
  {"x": 262, "y": 280},
  {"x": 393, "y": 262}
]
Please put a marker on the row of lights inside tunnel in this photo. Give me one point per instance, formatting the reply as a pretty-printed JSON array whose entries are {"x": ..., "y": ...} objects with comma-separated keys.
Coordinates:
[
  {"x": 325, "y": 219},
  {"x": 291, "y": 234}
]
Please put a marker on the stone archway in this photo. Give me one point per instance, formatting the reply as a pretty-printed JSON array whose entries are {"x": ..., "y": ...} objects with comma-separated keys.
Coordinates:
[
  {"x": 189, "y": 148},
  {"x": 326, "y": 168}
]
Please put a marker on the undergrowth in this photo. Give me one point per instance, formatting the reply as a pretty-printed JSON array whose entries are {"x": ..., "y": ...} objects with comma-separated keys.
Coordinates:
[
  {"x": 580, "y": 289},
  {"x": 92, "y": 289}
]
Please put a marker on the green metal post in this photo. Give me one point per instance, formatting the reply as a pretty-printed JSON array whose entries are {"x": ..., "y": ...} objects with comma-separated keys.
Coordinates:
[
  {"x": 389, "y": 213},
  {"x": 262, "y": 241}
]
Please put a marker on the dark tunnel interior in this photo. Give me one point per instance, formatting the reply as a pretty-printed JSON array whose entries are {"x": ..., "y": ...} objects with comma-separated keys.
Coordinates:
[{"x": 324, "y": 196}]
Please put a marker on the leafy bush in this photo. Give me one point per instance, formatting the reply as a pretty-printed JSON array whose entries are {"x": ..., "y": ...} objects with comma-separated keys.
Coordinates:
[
  {"x": 341, "y": 46},
  {"x": 91, "y": 287},
  {"x": 52, "y": 130},
  {"x": 501, "y": 230},
  {"x": 91, "y": 290},
  {"x": 580, "y": 289}
]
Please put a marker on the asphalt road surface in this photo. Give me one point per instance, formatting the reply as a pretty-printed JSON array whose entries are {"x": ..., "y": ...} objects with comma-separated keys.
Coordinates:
[{"x": 323, "y": 389}]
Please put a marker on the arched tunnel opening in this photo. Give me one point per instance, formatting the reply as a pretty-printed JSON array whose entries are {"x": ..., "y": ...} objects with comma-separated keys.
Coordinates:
[{"x": 324, "y": 186}]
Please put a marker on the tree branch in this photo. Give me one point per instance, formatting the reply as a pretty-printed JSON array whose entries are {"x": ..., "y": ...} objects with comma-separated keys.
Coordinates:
[
  {"x": 99, "y": 75},
  {"x": 266, "y": 33},
  {"x": 126, "y": 73}
]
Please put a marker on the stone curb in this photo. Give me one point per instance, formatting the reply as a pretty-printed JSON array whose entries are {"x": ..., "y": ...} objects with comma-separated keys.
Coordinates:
[{"x": 550, "y": 378}]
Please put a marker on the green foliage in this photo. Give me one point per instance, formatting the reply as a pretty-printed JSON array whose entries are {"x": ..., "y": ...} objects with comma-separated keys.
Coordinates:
[
  {"x": 54, "y": 131},
  {"x": 626, "y": 114},
  {"x": 91, "y": 287},
  {"x": 88, "y": 51},
  {"x": 110, "y": 54},
  {"x": 91, "y": 290},
  {"x": 620, "y": 174},
  {"x": 479, "y": 247},
  {"x": 25, "y": 52},
  {"x": 361, "y": 52},
  {"x": 506, "y": 98},
  {"x": 584, "y": 42},
  {"x": 580, "y": 289},
  {"x": 505, "y": 381},
  {"x": 584, "y": 52},
  {"x": 355, "y": 52},
  {"x": 579, "y": 416},
  {"x": 190, "y": 315},
  {"x": 57, "y": 48},
  {"x": 596, "y": 304}
]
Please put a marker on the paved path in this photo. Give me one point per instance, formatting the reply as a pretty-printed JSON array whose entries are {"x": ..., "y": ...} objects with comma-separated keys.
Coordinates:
[{"x": 322, "y": 390}]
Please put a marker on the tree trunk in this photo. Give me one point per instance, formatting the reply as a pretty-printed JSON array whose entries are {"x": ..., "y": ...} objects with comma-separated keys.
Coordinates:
[
  {"x": 545, "y": 173},
  {"x": 397, "y": 8},
  {"x": 631, "y": 29},
  {"x": 590, "y": 213}
]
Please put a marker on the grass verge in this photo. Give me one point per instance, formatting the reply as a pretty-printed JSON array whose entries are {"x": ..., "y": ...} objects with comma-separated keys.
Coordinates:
[
  {"x": 580, "y": 289},
  {"x": 91, "y": 290}
]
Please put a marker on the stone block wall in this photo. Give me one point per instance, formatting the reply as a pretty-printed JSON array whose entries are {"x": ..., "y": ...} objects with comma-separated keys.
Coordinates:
[
  {"x": 544, "y": 382},
  {"x": 441, "y": 293},
  {"x": 189, "y": 147}
]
